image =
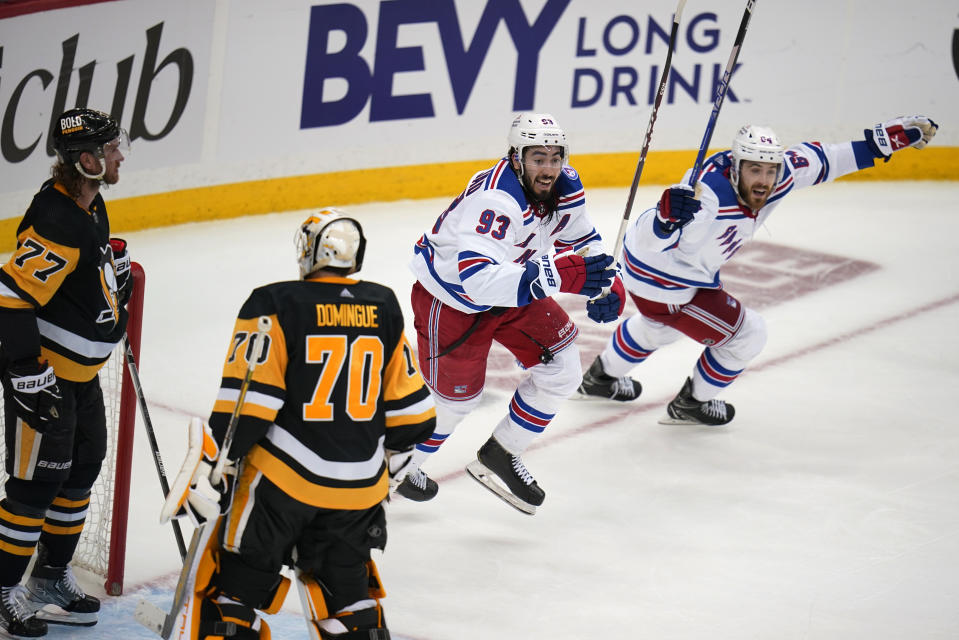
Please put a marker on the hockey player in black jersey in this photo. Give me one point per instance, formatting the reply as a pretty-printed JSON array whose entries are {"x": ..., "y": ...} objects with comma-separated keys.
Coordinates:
[
  {"x": 331, "y": 412},
  {"x": 62, "y": 296}
]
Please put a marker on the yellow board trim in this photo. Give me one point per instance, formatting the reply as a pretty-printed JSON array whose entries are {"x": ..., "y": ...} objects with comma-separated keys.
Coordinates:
[{"x": 432, "y": 181}]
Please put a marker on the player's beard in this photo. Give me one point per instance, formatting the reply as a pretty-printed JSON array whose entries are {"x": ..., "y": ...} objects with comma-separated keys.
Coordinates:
[
  {"x": 752, "y": 201},
  {"x": 536, "y": 191}
]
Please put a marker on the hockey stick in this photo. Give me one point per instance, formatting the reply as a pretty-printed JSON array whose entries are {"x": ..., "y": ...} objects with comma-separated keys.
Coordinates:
[
  {"x": 649, "y": 129},
  {"x": 154, "y": 447},
  {"x": 257, "y": 351},
  {"x": 721, "y": 94},
  {"x": 148, "y": 614}
]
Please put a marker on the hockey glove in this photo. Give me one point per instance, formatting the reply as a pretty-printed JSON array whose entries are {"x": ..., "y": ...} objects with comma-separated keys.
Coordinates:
[
  {"x": 121, "y": 267},
  {"x": 36, "y": 396},
  {"x": 899, "y": 133},
  {"x": 677, "y": 207},
  {"x": 572, "y": 273},
  {"x": 398, "y": 463},
  {"x": 610, "y": 306}
]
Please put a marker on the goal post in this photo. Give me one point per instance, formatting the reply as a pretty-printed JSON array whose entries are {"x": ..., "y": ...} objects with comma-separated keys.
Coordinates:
[{"x": 127, "y": 413}]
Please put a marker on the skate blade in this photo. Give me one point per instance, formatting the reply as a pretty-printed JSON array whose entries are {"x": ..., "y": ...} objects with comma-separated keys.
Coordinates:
[
  {"x": 488, "y": 479},
  {"x": 668, "y": 419},
  {"x": 52, "y": 614}
]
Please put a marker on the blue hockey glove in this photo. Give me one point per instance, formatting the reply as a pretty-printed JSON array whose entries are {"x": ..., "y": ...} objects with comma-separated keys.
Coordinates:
[
  {"x": 676, "y": 208},
  {"x": 609, "y": 307}
]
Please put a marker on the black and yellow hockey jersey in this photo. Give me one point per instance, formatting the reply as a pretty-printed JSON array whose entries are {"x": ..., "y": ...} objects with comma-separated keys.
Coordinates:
[
  {"x": 337, "y": 386},
  {"x": 58, "y": 293}
]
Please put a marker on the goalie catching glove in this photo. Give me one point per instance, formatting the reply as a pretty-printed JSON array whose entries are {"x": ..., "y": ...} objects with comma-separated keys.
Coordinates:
[
  {"x": 900, "y": 133},
  {"x": 192, "y": 494}
]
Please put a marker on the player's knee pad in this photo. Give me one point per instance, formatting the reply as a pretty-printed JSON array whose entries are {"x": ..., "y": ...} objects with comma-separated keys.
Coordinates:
[
  {"x": 745, "y": 344},
  {"x": 30, "y": 496},
  {"x": 648, "y": 334},
  {"x": 561, "y": 376},
  {"x": 452, "y": 411}
]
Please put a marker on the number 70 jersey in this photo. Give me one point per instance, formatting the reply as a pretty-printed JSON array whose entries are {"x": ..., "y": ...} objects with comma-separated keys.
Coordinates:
[{"x": 337, "y": 385}]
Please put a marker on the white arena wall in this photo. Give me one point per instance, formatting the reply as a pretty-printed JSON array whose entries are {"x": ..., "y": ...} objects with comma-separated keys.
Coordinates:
[{"x": 238, "y": 107}]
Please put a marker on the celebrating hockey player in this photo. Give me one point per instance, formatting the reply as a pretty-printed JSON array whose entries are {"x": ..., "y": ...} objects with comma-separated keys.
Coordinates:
[
  {"x": 673, "y": 253},
  {"x": 62, "y": 296},
  {"x": 487, "y": 270},
  {"x": 334, "y": 403}
]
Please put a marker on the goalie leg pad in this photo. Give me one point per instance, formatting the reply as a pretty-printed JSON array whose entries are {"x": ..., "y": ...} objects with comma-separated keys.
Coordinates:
[
  {"x": 363, "y": 619},
  {"x": 259, "y": 589},
  {"x": 376, "y": 585}
]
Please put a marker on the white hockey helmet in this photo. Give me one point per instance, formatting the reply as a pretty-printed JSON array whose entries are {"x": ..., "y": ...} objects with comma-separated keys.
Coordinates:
[
  {"x": 329, "y": 239},
  {"x": 536, "y": 130},
  {"x": 758, "y": 144}
]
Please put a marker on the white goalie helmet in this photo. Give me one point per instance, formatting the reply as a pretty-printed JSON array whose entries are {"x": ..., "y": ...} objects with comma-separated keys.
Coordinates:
[
  {"x": 329, "y": 239},
  {"x": 536, "y": 130},
  {"x": 758, "y": 144}
]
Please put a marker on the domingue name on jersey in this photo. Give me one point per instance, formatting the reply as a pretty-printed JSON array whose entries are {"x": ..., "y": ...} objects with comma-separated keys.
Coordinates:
[{"x": 347, "y": 315}]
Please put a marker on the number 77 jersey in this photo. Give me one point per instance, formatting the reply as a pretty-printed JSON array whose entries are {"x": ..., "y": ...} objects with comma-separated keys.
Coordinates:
[{"x": 336, "y": 385}]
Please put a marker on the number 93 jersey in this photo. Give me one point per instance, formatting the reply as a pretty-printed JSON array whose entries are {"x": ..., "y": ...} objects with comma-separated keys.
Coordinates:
[
  {"x": 58, "y": 291},
  {"x": 336, "y": 385}
]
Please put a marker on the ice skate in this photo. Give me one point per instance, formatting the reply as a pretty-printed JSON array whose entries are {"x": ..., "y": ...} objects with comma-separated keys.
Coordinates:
[
  {"x": 685, "y": 409},
  {"x": 596, "y": 383},
  {"x": 505, "y": 475},
  {"x": 58, "y": 599},
  {"x": 17, "y": 617},
  {"x": 418, "y": 486}
]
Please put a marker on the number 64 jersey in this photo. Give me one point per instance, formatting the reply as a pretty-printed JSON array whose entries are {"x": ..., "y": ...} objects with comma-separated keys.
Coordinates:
[{"x": 338, "y": 385}]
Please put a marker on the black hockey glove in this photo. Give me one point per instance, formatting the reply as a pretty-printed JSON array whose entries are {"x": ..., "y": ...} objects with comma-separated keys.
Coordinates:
[
  {"x": 121, "y": 266},
  {"x": 36, "y": 396}
]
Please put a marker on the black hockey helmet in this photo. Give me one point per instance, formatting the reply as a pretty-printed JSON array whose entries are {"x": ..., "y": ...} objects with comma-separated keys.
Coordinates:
[{"x": 79, "y": 130}]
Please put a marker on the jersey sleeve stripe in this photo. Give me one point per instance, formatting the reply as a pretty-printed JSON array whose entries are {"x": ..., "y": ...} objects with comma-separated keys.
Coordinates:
[{"x": 405, "y": 419}]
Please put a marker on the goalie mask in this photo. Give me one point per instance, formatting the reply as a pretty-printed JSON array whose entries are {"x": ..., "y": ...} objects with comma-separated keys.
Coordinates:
[
  {"x": 536, "y": 130},
  {"x": 86, "y": 130},
  {"x": 756, "y": 144},
  {"x": 330, "y": 239}
]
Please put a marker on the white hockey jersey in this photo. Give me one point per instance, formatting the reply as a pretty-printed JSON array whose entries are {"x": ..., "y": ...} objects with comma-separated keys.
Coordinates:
[
  {"x": 484, "y": 250},
  {"x": 671, "y": 268}
]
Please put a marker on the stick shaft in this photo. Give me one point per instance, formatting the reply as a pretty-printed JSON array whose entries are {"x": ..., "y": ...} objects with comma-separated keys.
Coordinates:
[
  {"x": 617, "y": 247},
  {"x": 721, "y": 94},
  {"x": 151, "y": 435},
  {"x": 256, "y": 352}
]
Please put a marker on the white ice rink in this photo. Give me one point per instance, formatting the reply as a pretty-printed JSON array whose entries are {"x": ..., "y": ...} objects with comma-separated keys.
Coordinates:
[{"x": 828, "y": 510}]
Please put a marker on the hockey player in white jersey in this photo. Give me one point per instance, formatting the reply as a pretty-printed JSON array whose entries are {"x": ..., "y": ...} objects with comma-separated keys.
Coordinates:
[
  {"x": 673, "y": 253},
  {"x": 518, "y": 234}
]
